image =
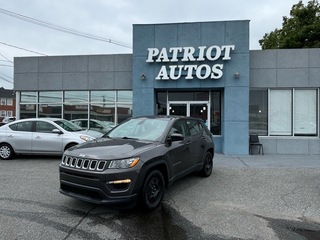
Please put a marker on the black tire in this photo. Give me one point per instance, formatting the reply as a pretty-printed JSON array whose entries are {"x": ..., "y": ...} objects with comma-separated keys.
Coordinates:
[
  {"x": 6, "y": 151},
  {"x": 153, "y": 190},
  {"x": 207, "y": 165}
]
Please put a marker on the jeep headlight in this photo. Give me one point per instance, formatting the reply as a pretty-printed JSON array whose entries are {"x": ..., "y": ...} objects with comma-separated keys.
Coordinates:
[{"x": 124, "y": 163}]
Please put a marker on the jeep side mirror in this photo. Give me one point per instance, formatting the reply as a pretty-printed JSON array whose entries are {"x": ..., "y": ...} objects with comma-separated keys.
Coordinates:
[{"x": 176, "y": 137}]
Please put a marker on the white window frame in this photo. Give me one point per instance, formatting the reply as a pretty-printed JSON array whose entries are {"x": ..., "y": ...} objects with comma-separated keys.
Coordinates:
[
  {"x": 314, "y": 103},
  {"x": 3, "y": 101},
  {"x": 9, "y": 101},
  {"x": 281, "y": 121},
  {"x": 305, "y": 114},
  {"x": 9, "y": 113}
]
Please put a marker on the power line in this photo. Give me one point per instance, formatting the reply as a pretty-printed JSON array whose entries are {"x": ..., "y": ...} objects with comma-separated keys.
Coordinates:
[
  {"x": 21, "y": 49},
  {"x": 5, "y": 58},
  {"x": 6, "y": 80},
  {"x": 6, "y": 76},
  {"x": 5, "y": 65},
  {"x": 61, "y": 29}
]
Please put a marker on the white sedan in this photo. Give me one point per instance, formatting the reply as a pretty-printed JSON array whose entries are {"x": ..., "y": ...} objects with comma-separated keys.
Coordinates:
[{"x": 47, "y": 136}]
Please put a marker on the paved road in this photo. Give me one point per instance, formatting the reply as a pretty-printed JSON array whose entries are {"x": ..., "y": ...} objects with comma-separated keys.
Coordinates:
[{"x": 247, "y": 197}]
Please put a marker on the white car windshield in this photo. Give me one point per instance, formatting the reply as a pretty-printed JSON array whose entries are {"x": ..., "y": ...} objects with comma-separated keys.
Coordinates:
[
  {"x": 68, "y": 126},
  {"x": 142, "y": 129}
]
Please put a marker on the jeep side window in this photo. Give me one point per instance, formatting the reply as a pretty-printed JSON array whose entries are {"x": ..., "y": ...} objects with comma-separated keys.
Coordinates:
[
  {"x": 178, "y": 127},
  {"x": 194, "y": 127}
]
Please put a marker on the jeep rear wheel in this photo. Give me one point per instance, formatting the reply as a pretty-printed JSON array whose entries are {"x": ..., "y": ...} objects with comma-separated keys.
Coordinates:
[
  {"x": 153, "y": 190},
  {"x": 207, "y": 165}
]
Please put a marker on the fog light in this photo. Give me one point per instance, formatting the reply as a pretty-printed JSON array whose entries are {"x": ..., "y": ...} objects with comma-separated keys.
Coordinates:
[
  {"x": 119, "y": 181},
  {"x": 119, "y": 185}
]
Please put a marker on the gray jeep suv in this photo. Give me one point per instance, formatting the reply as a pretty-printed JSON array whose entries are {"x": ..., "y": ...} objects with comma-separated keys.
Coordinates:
[{"x": 137, "y": 160}]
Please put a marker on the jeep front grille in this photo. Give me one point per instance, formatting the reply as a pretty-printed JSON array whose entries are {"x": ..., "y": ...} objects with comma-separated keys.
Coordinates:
[{"x": 83, "y": 163}]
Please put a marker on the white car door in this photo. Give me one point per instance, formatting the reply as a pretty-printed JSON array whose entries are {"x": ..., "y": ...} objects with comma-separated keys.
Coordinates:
[
  {"x": 19, "y": 136},
  {"x": 44, "y": 140}
]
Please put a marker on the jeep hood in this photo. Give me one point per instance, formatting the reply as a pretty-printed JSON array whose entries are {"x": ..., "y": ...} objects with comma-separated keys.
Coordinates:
[{"x": 108, "y": 149}]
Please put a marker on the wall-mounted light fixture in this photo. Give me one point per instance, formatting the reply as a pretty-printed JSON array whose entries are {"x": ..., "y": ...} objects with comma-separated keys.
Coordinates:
[
  {"x": 236, "y": 75},
  {"x": 143, "y": 76}
]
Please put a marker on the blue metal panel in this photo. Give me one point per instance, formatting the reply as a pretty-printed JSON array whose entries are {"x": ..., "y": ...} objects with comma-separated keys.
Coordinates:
[{"x": 144, "y": 102}]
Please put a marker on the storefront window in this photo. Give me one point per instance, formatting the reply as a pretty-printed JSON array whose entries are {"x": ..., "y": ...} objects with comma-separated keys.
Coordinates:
[
  {"x": 280, "y": 112},
  {"x": 161, "y": 105},
  {"x": 305, "y": 112},
  {"x": 28, "y": 106},
  {"x": 103, "y": 111},
  {"x": 76, "y": 105},
  {"x": 178, "y": 109},
  {"x": 124, "y": 111},
  {"x": 124, "y": 106},
  {"x": 50, "y": 110},
  {"x": 215, "y": 124},
  {"x": 28, "y": 111},
  {"x": 188, "y": 96},
  {"x": 258, "y": 112},
  {"x": 28, "y": 97},
  {"x": 50, "y": 97},
  {"x": 293, "y": 112},
  {"x": 75, "y": 111},
  {"x": 124, "y": 96},
  {"x": 76, "y": 96},
  {"x": 194, "y": 104},
  {"x": 103, "y": 96},
  {"x": 102, "y": 106}
]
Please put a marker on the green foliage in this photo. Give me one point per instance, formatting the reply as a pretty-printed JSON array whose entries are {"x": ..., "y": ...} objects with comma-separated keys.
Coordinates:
[{"x": 300, "y": 30}]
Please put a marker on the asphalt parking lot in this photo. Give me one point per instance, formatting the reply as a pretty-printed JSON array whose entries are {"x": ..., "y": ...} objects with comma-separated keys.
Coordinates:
[{"x": 246, "y": 197}]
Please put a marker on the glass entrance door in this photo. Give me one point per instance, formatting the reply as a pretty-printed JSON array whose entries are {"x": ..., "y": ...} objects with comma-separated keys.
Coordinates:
[
  {"x": 196, "y": 109},
  {"x": 178, "y": 109}
]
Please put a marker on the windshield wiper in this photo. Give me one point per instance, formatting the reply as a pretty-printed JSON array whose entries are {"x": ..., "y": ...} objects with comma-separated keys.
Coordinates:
[{"x": 130, "y": 138}]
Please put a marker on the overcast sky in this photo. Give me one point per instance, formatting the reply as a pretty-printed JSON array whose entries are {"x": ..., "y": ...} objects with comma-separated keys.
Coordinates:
[{"x": 113, "y": 20}]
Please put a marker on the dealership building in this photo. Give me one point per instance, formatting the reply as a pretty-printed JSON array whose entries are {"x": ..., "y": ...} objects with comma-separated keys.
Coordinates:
[{"x": 200, "y": 69}]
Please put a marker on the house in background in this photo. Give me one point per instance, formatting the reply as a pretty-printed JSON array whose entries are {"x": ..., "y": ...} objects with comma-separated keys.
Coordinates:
[{"x": 7, "y": 104}]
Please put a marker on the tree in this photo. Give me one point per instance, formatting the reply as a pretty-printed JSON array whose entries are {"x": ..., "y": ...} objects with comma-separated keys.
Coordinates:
[{"x": 300, "y": 30}]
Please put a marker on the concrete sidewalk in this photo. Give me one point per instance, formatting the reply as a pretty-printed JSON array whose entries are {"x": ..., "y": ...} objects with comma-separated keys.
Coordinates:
[{"x": 267, "y": 161}]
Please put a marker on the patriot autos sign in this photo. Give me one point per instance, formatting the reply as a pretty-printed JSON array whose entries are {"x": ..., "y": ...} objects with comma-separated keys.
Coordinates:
[{"x": 200, "y": 62}]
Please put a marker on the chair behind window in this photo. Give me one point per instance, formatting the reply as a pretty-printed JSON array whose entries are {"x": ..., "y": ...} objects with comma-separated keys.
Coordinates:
[{"x": 254, "y": 142}]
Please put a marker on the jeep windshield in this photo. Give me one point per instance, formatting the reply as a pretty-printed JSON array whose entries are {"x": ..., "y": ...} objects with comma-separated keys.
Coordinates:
[{"x": 140, "y": 129}]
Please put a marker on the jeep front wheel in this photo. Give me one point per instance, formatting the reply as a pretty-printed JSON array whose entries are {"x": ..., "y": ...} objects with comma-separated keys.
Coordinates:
[{"x": 153, "y": 190}]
